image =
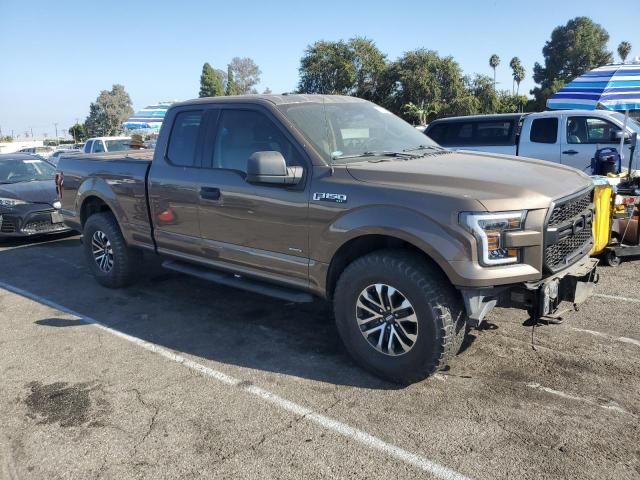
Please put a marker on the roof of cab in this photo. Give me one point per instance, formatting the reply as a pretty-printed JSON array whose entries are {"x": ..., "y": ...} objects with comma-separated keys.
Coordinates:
[
  {"x": 283, "y": 99},
  {"x": 482, "y": 118}
]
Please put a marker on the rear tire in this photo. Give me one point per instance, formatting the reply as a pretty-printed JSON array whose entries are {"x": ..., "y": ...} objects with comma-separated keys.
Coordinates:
[
  {"x": 411, "y": 350},
  {"x": 611, "y": 259},
  {"x": 111, "y": 262}
]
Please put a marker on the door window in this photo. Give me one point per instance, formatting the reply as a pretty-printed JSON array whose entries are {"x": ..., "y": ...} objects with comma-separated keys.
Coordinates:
[
  {"x": 544, "y": 130},
  {"x": 244, "y": 132},
  {"x": 590, "y": 130},
  {"x": 183, "y": 139},
  {"x": 87, "y": 147},
  {"x": 98, "y": 146}
]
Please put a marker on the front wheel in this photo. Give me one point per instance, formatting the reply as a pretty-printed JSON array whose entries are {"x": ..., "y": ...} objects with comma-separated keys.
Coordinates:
[
  {"x": 611, "y": 259},
  {"x": 111, "y": 262},
  {"x": 398, "y": 316}
]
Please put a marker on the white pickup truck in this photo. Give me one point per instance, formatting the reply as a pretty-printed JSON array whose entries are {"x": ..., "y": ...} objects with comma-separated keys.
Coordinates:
[{"x": 570, "y": 137}]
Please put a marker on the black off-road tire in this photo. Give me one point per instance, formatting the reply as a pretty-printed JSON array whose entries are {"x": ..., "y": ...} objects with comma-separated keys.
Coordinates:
[
  {"x": 442, "y": 320},
  {"x": 126, "y": 261}
]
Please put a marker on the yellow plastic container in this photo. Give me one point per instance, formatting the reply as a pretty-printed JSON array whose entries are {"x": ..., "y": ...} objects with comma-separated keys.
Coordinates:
[{"x": 602, "y": 217}]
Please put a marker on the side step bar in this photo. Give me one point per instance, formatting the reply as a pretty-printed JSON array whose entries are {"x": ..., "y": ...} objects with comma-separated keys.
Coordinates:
[{"x": 243, "y": 283}]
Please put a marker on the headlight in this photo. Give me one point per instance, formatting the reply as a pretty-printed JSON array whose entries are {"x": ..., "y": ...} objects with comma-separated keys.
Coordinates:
[
  {"x": 489, "y": 230},
  {"x": 11, "y": 202}
]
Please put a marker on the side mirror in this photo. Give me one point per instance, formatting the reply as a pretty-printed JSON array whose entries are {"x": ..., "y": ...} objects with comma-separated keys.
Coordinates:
[
  {"x": 617, "y": 135},
  {"x": 271, "y": 167}
]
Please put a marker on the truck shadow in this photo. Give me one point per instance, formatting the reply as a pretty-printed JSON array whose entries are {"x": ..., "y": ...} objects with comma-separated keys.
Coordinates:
[{"x": 191, "y": 316}]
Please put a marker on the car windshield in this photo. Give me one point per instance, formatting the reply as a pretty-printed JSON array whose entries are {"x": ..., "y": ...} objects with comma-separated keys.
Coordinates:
[
  {"x": 117, "y": 145},
  {"x": 348, "y": 131},
  {"x": 28, "y": 170}
]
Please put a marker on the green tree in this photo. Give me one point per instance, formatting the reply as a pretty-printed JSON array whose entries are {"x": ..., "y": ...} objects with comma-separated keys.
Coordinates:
[
  {"x": 370, "y": 68},
  {"x": 246, "y": 74},
  {"x": 231, "y": 88},
  {"x": 327, "y": 68},
  {"x": 624, "y": 49},
  {"x": 432, "y": 83},
  {"x": 573, "y": 49},
  {"x": 78, "y": 132},
  {"x": 518, "y": 76},
  {"x": 494, "y": 61},
  {"x": 514, "y": 63},
  {"x": 482, "y": 88},
  {"x": 510, "y": 103},
  {"x": 210, "y": 82},
  {"x": 106, "y": 114},
  {"x": 6, "y": 138}
]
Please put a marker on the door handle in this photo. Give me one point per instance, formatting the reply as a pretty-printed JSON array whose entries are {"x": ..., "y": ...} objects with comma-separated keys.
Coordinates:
[
  {"x": 570, "y": 152},
  {"x": 209, "y": 193}
]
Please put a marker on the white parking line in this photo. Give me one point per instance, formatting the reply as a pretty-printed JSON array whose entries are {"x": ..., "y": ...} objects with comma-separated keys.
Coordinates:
[
  {"x": 325, "y": 422},
  {"x": 616, "y": 297},
  {"x": 609, "y": 406},
  {"x": 632, "y": 341}
]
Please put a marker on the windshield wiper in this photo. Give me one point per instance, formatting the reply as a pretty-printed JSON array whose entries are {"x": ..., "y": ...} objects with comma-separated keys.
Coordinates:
[
  {"x": 385, "y": 153},
  {"x": 424, "y": 147}
]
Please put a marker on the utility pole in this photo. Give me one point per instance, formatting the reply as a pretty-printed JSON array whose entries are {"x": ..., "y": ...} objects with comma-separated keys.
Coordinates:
[
  {"x": 56, "y": 125},
  {"x": 31, "y": 131}
]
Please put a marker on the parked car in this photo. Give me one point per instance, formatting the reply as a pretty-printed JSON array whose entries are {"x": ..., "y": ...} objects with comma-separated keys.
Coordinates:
[
  {"x": 55, "y": 156},
  {"x": 296, "y": 196},
  {"x": 569, "y": 137},
  {"x": 29, "y": 202},
  {"x": 106, "y": 144},
  {"x": 44, "y": 152}
]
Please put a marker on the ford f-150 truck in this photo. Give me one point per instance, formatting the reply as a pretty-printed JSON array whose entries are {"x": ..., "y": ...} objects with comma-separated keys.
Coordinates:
[
  {"x": 302, "y": 196},
  {"x": 569, "y": 137}
]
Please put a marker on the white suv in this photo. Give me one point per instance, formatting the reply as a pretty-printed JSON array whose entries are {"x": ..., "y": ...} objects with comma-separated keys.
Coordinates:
[{"x": 106, "y": 144}]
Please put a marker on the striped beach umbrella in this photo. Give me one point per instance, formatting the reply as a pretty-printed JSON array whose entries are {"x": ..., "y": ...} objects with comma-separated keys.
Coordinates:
[
  {"x": 149, "y": 118},
  {"x": 612, "y": 87}
]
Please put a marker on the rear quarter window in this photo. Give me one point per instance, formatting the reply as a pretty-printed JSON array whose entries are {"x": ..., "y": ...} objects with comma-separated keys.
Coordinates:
[{"x": 544, "y": 130}]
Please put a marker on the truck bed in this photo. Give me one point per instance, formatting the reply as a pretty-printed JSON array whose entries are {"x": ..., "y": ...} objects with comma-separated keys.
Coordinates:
[{"x": 121, "y": 178}]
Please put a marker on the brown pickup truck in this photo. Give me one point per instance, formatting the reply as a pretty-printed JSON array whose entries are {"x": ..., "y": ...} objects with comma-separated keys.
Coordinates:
[{"x": 297, "y": 196}]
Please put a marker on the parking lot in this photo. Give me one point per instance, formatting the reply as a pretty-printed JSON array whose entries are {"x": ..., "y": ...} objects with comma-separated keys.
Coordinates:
[{"x": 177, "y": 378}]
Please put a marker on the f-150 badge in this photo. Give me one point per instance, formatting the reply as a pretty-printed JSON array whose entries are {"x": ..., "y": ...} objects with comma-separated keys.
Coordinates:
[{"x": 330, "y": 197}]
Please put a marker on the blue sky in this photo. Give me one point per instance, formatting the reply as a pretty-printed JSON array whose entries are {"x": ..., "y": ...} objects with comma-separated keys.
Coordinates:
[{"x": 57, "y": 56}]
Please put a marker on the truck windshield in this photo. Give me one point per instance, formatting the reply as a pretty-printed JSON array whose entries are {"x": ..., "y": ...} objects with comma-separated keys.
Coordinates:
[
  {"x": 350, "y": 130},
  {"x": 117, "y": 145}
]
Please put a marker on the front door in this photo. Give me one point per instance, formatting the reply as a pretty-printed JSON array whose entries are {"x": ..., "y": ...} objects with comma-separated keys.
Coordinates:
[
  {"x": 258, "y": 228},
  {"x": 583, "y": 136}
]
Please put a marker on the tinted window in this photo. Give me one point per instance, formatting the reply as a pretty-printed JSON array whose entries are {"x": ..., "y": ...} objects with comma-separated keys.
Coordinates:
[
  {"x": 437, "y": 132},
  {"x": 184, "y": 134},
  {"x": 493, "y": 133},
  {"x": 544, "y": 130},
  {"x": 244, "y": 132},
  {"x": 590, "y": 130},
  {"x": 117, "y": 145},
  {"x": 87, "y": 147},
  {"x": 98, "y": 147}
]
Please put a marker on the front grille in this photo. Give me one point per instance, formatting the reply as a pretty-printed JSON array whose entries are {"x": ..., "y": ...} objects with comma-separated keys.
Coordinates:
[
  {"x": 569, "y": 210},
  {"x": 8, "y": 224},
  {"x": 568, "y": 235}
]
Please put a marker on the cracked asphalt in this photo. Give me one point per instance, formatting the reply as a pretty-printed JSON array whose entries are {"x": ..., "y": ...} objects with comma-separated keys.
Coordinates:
[{"x": 80, "y": 402}]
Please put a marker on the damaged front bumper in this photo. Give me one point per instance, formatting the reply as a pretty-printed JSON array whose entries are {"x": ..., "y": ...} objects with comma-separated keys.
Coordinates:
[{"x": 542, "y": 298}]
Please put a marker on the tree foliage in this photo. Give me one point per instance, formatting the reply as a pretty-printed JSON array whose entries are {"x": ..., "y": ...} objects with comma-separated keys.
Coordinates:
[
  {"x": 246, "y": 74},
  {"x": 494, "y": 61},
  {"x": 573, "y": 49},
  {"x": 6, "y": 138},
  {"x": 106, "y": 114},
  {"x": 78, "y": 132},
  {"x": 624, "y": 49},
  {"x": 231, "y": 87},
  {"x": 210, "y": 82}
]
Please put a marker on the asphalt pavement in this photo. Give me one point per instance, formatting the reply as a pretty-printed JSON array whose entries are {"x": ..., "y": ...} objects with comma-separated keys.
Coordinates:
[{"x": 178, "y": 378}]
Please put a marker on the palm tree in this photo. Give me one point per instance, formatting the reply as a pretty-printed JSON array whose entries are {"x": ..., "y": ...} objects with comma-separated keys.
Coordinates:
[
  {"x": 514, "y": 64},
  {"x": 494, "y": 61},
  {"x": 623, "y": 50},
  {"x": 518, "y": 76}
]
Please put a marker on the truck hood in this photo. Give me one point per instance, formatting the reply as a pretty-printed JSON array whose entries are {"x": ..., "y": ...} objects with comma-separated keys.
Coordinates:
[
  {"x": 499, "y": 182},
  {"x": 41, "y": 191}
]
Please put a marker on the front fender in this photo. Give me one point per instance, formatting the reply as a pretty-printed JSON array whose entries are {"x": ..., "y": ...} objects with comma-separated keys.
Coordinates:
[{"x": 442, "y": 239}]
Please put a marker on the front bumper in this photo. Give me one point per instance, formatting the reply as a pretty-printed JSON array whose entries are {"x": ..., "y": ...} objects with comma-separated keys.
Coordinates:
[
  {"x": 541, "y": 298},
  {"x": 40, "y": 222}
]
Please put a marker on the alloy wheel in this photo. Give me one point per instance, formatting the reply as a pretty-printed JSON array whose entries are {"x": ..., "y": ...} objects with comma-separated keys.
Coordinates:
[{"x": 102, "y": 251}]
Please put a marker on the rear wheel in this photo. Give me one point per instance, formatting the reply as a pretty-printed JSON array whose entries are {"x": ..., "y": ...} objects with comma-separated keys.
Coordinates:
[
  {"x": 111, "y": 262},
  {"x": 611, "y": 259},
  {"x": 398, "y": 316}
]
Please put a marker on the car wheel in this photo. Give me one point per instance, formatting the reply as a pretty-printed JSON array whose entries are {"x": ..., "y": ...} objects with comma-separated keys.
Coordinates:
[
  {"x": 111, "y": 262},
  {"x": 398, "y": 316},
  {"x": 611, "y": 259}
]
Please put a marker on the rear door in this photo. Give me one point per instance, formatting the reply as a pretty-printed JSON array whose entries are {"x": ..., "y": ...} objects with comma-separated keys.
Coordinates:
[
  {"x": 258, "y": 228},
  {"x": 540, "y": 138},
  {"x": 584, "y": 134},
  {"x": 174, "y": 181}
]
